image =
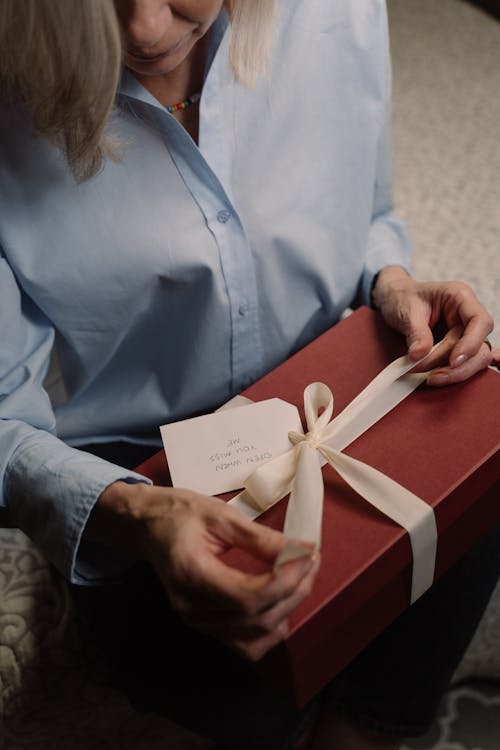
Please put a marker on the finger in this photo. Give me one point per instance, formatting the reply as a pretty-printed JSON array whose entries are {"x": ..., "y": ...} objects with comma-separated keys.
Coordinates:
[
  {"x": 441, "y": 354},
  {"x": 248, "y": 594},
  {"x": 241, "y": 625},
  {"x": 269, "y": 619},
  {"x": 469, "y": 367},
  {"x": 284, "y": 581},
  {"x": 255, "y": 649},
  {"x": 202, "y": 580},
  {"x": 477, "y": 324},
  {"x": 239, "y": 531},
  {"x": 414, "y": 325},
  {"x": 495, "y": 358}
]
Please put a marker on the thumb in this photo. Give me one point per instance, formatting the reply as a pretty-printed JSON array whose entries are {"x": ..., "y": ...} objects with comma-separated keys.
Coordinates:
[
  {"x": 419, "y": 338},
  {"x": 259, "y": 540}
]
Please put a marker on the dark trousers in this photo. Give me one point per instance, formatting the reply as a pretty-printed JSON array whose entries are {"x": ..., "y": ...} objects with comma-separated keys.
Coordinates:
[{"x": 395, "y": 685}]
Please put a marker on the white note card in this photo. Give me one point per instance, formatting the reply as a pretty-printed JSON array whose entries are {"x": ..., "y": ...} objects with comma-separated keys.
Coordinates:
[{"x": 216, "y": 453}]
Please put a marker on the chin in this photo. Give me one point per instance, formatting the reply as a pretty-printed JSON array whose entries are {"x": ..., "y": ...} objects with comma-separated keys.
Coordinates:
[{"x": 161, "y": 66}]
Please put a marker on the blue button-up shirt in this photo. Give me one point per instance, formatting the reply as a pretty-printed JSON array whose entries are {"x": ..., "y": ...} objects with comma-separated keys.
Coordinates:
[{"x": 180, "y": 274}]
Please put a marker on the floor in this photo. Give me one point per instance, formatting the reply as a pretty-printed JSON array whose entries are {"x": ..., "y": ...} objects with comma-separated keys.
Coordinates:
[
  {"x": 469, "y": 720},
  {"x": 446, "y": 69},
  {"x": 446, "y": 80}
]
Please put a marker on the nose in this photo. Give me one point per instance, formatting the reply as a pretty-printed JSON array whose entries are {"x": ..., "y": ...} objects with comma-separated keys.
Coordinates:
[{"x": 144, "y": 22}]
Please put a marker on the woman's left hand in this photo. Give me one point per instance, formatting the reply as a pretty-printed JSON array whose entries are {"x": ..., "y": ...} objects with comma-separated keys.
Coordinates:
[{"x": 413, "y": 308}]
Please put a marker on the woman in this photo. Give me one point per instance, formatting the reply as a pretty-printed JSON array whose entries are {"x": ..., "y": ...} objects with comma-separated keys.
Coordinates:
[{"x": 171, "y": 232}]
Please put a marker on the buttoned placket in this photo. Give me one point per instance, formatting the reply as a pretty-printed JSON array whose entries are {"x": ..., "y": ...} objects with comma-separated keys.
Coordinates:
[
  {"x": 206, "y": 173},
  {"x": 234, "y": 247}
]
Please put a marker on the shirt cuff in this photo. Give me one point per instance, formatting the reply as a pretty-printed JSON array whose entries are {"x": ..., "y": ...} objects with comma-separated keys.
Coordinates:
[
  {"x": 92, "y": 563},
  {"x": 52, "y": 489}
]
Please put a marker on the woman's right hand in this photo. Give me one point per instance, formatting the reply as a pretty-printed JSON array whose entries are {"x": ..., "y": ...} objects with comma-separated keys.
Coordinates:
[{"x": 182, "y": 534}]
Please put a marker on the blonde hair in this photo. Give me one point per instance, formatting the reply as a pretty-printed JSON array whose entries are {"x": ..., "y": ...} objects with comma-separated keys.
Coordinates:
[
  {"x": 62, "y": 60},
  {"x": 251, "y": 36}
]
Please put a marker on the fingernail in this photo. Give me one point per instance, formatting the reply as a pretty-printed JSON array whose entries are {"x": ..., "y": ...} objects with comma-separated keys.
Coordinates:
[
  {"x": 283, "y": 628},
  {"x": 307, "y": 565},
  {"x": 440, "y": 379},
  {"x": 457, "y": 361}
]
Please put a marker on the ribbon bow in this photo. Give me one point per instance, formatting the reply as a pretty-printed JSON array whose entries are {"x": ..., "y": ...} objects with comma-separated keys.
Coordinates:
[{"x": 298, "y": 471}]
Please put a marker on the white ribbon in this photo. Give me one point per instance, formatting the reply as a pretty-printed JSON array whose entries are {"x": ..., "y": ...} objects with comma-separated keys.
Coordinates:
[{"x": 299, "y": 471}]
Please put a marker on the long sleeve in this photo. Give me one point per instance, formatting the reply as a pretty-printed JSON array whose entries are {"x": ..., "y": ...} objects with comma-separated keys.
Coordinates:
[
  {"x": 388, "y": 239},
  {"x": 47, "y": 487}
]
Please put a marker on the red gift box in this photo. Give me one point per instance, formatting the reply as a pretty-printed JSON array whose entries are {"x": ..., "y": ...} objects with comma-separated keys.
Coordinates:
[{"x": 442, "y": 444}]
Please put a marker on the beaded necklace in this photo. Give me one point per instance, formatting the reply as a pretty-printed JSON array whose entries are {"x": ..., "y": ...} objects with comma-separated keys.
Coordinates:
[{"x": 184, "y": 104}]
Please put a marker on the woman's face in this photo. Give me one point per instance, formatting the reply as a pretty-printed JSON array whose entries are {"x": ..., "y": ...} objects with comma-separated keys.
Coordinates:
[{"x": 158, "y": 35}]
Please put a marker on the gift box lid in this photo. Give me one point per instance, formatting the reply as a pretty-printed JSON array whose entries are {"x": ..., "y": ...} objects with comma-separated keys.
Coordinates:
[{"x": 442, "y": 444}]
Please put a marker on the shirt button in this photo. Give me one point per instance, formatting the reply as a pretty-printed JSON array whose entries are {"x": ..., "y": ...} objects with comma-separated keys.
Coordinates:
[
  {"x": 242, "y": 310},
  {"x": 223, "y": 216}
]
